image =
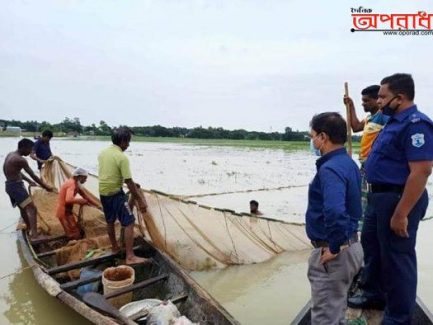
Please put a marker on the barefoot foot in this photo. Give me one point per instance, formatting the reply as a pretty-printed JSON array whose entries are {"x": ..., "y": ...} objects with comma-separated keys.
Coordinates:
[{"x": 137, "y": 260}]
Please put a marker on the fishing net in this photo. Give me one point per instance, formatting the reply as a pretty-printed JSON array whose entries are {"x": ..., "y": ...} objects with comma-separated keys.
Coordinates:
[
  {"x": 91, "y": 220},
  {"x": 198, "y": 237}
]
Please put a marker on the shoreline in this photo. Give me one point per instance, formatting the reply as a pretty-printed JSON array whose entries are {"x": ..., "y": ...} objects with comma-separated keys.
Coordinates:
[{"x": 262, "y": 144}]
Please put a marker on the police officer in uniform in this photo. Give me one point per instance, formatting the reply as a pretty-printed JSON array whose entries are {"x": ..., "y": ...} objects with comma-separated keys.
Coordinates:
[{"x": 398, "y": 167}]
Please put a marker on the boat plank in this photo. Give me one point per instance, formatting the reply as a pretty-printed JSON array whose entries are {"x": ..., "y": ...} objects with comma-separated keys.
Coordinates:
[
  {"x": 47, "y": 240},
  {"x": 80, "y": 264},
  {"x": 75, "y": 284}
]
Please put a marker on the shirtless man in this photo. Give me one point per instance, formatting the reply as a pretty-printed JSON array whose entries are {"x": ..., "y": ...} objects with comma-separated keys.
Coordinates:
[{"x": 13, "y": 164}]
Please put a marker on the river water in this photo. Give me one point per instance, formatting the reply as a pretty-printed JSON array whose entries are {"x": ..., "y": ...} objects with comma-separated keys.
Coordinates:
[{"x": 265, "y": 293}]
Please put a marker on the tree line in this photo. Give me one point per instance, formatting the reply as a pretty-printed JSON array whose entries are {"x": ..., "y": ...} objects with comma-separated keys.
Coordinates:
[{"x": 74, "y": 126}]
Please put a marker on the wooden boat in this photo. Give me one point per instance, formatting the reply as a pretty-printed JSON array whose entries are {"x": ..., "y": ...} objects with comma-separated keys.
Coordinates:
[
  {"x": 162, "y": 279},
  {"x": 421, "y": 316},
  {"x": 195, "y": 236}
]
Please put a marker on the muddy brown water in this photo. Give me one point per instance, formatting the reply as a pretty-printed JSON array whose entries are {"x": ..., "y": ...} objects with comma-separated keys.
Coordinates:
[{"x": 265, "y": 293}]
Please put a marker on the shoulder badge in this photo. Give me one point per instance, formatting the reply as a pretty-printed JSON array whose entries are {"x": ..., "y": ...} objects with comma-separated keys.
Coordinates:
[
  {"x": 418, "y": 140},
  {"x": 415, "y": 118}
]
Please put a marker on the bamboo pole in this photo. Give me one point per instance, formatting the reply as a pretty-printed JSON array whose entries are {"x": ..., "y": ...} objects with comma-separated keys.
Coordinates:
[{"x": 348, "y": 119}]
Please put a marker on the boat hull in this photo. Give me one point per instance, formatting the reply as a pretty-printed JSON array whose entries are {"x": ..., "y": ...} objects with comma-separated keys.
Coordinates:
[{"x": 199, "y": 306}]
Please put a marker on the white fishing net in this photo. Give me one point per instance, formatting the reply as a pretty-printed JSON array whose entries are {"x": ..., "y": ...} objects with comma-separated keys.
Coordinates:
[{"x": 196, "y": 236}]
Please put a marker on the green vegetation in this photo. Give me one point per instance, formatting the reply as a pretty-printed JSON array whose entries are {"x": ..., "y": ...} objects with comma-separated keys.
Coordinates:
[{"x": 72, "y": 127}]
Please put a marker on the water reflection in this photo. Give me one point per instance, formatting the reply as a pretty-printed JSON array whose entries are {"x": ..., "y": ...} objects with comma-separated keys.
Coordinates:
[
  {"x": 270, "y": 292},
  {"x": 29, "y": 304},
  {"x": 263, "y": 293}
]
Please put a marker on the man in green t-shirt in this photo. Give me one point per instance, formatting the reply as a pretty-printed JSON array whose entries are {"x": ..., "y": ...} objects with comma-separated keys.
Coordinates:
[{"x": 113, "y": 172}]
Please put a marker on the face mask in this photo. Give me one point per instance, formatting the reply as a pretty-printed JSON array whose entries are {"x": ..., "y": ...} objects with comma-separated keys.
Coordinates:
[
  {"x": 313, "y": 149},
  {"x": 387, "y": 110}
]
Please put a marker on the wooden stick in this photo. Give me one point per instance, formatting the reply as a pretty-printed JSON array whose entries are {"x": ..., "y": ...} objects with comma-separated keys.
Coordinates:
[{"x": 348, "y": 120}]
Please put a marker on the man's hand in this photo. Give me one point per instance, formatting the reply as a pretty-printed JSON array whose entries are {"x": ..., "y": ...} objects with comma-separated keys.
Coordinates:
[
  {"x": 348, "y": 101},
  {"x": 326, "y": 255},
  {"x": 398, "y": 225},
  {"x": 142, "y": 207}
]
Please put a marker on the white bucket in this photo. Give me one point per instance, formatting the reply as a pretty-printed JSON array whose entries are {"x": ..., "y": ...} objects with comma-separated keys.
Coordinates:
[{"x": 115, "y": 278}]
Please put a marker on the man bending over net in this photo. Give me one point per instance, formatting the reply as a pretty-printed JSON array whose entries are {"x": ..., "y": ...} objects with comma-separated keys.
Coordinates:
[{"x": 68, "y": 197}]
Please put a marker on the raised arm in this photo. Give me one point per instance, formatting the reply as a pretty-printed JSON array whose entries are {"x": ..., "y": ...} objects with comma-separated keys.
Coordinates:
[{"x": 355, "y": 123}]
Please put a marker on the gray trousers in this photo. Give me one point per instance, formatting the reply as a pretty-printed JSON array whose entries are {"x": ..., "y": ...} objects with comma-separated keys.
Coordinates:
[{"x": 330, "y": 284}]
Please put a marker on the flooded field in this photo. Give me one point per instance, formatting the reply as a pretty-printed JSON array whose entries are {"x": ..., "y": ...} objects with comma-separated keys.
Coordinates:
[{"x": 270, "y": 292}]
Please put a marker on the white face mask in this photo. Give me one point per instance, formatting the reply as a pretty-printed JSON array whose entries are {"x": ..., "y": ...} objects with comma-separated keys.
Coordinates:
[{"x": 313, "y": 149}]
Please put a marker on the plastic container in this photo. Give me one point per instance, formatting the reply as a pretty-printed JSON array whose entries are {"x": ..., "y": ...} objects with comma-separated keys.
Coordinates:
[
  {"x": 87, "y": 273},
  {"x": 115, "y": 278}
]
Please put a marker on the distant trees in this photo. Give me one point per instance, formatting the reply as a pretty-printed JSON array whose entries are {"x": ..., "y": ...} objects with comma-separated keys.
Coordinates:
[
  {"x": 68, "y": 125},
  {"x": 290, "y": 135},
  {"x": 73, "y": 125}
]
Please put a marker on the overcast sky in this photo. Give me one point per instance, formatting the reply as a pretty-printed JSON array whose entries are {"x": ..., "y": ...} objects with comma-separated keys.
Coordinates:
[{"x": 257, "y": 65}]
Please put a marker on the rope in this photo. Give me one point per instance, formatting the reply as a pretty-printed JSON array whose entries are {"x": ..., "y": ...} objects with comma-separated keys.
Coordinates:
[
  {"x": 4, "y": 228},
  {"x": 7, "y": 233},
  {"x": 242, "y": 191},
  {"x": 17, "y": 271}
]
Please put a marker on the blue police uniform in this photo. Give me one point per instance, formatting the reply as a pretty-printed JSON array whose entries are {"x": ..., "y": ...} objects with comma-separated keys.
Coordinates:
[{"x": 390, "y": 271}]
